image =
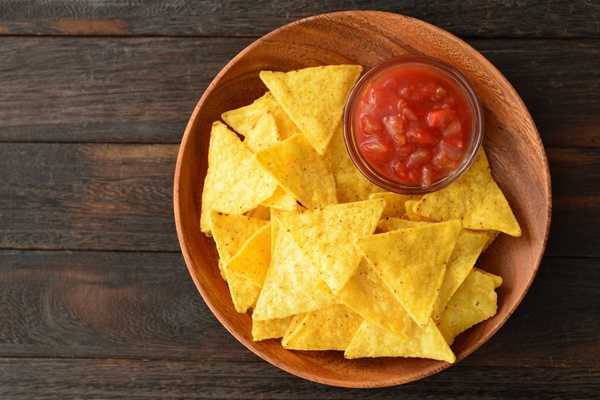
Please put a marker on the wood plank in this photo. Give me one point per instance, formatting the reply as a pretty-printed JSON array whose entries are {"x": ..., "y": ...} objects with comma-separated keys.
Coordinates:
[
  {"x": 144, "y": 305},
  {"x": 237, "y": 18},
  {"x": 58, "y": 379},
  {"x": 118, "y": 197},
  {"x": 57, "y": 196},
  {"x": 143, "y": 90}
]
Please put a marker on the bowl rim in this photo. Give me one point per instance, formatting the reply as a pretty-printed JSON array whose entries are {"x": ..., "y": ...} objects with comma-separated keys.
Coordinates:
[{"x": 394, "y": 381}]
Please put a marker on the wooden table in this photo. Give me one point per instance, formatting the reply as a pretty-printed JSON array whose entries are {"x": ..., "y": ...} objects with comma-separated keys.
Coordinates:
[{"x": 95, "y": 300}]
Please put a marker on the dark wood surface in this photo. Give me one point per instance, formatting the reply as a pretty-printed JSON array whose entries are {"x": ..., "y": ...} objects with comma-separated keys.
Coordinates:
[{"x": 95, "y": 301}]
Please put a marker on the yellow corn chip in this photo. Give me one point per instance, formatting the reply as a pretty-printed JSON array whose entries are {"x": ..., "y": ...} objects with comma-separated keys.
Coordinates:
[
  {"x": 327, "y": 237},
  {"x": 292, "y": 285},
  {"x": 264, "y": 133},
  {"x": 469, "y": 246},
  {"x": 314, "y": 98},
  {"x": 260, "y": 212},
  {"x": 270, "y": 328},
  {"x": 474, "y": 198},
  {"x": 373, "y": 341},
  {"x": 281, "y": 200},
  {"x": 330, "y": 328},
  {"x": 253, "y": 259},
  {"x": 230, "y": 232},
  {"x": 300, "y": 171},
  {"x": 394, "y": 203},
  {"x": 350, "y": 183},
  {"x": 473, "y": 302},
  {"x": 412, "y": 263},
  {"x": 410, "y": 207},
  {"x": 243, "y": 291},
  {"x": 235, "y": 182},
  {"x": 244, "y": 119},
  {"x": 393, "y": 223},
  {"x": 495, "y": 278},
  {"x": 366, "y": 294}
]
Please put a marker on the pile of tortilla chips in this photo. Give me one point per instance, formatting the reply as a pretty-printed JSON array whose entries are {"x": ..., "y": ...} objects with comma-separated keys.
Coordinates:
[{"x": 326, "y": 260}]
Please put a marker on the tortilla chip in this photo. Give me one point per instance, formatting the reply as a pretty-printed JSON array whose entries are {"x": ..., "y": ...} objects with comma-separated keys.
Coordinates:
[
  {"x": 230, "y": 232},
  {"x": 253, "y": 259},
  {"x": 300, "y": 171},
  {"x": 473, "y": 302},
  {"x": 495, "y": 278},
  {"x": 235, "y": 182},
  {"x": 327, "y": 237},
  {"x": 394, "y": 203},
  {"x": 314, "y": 98},
  {"x": 292, "y": 285},
  {"x": 372, "y": 341},
  {"x": 412, "y": 263},
  {"x": 263, "y": 135},
  {"x": 392, "y": 223},
  {"x": 410, "y": 206},
  {"x": 474, "y": 198},
  {"x": 330, "y": 328},
  {"x": 244, "y": 119},
  {"x": 281, "y": 200},
  {"x": 270, "y": 328},
  {"x": 350, "y": 183},
  {"x": 243, "y": 291},
  {"x": 469, "y": 246},
  {"x": 260, "y": 212}
]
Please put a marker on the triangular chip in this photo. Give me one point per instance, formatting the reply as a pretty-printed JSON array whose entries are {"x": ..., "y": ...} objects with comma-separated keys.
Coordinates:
[
  {"x": 253, "y": 259},
  {"x": 350, "y": 183},
  {"x": 314, "y": 98},
  {"x": 244, "y": 119},
  {"x": 270, "y": 328},
  {"x": 373, "y": 341},
  {"x": 330, "y": 328},
  {"x": 300, "y": 170},
  {"x": 412, "y": 263},
  {"x": 473, "y": 302},
  {"x": 260, "y": 212},
  {"x": 292, "y": 285},
  {"x": 263, "y": 134},
  {"x": 392, "y": 223},
  {"x": 243, "y": 291},
  {"x": 469, "y": 246},
  {"x": 281, "y": 200},
  {"x": 235, "y": 182},
  {"x": 230, "y": 232},
  {"x": 474, "y": 198},
  {"x": 327, "y": 237},
  {"x": 394, "y": 203},
  {"x": 410, "y": 207},
  {"x": 367, "y": 295}
]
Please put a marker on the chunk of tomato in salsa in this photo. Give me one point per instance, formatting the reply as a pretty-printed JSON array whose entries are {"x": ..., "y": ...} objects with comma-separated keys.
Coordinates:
[{"x": 413, "y": 124}]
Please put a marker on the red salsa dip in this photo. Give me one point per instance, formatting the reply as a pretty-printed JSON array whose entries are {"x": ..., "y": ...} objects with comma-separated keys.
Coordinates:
[{"x": 413, "y": 123}]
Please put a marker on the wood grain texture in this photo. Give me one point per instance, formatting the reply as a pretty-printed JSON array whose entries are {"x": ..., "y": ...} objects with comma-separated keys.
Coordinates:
[
  {"x": 52, "y": 379},
  {"x": 144, "y": 306},
  {"x": 73, "y": 196},
  {"x": 57, "y": 89},
  {"x": 490, "y": 18},
  {"x": 512, "y": 143}
]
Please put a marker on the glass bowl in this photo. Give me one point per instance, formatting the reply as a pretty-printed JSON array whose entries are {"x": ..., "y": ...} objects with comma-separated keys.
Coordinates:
[{"x": 448, "y": 72}]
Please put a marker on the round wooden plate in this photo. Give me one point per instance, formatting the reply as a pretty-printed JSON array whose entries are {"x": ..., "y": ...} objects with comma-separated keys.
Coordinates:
[{"x": 514, "y": 148}]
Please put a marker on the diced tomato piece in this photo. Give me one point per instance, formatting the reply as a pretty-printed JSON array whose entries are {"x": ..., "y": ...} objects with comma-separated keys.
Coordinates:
[
  {"x": 418, "y": 158},
  {"x": 414, "y": 176},
  {"x": 453, "y": 153},
  {"x": 394, "y": 126},
  {"x": 439, "y": 118},
  {"x": 370, "y": 124},
  {"x": 438, "y": 94},
  {"x": 400, "y": 170},
  {"x": 420, "y": 136},
  {"x": 426, "y": 176},
  {"x": 390, "y": 84},
  {"x": 453, "y": 129},
  {"x": 409, "y": 114},
  {"x": 405, "y": 151},
  {"x": 374, "y": 149},
  {"x": 455, "y": 141}
]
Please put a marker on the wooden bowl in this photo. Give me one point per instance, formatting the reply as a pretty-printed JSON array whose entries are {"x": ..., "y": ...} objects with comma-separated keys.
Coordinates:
[{"x": 514, "y": 147}]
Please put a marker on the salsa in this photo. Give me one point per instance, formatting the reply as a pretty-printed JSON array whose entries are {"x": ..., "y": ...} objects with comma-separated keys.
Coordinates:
[{"x": 413, "y": 124}]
